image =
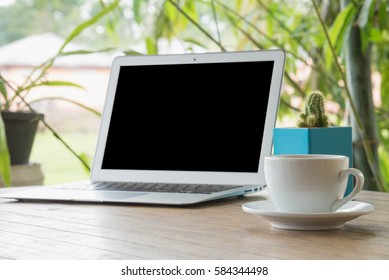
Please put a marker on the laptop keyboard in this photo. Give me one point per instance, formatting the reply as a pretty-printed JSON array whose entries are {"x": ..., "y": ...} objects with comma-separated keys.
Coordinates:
[{"x": 151, "y": 187}]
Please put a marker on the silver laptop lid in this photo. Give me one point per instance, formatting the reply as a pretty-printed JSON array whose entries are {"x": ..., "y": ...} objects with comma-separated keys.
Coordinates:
[{"x": 189, "y": 118}]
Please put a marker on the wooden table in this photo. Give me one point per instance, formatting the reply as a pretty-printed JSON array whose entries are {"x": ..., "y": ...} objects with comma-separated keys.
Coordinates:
[{"x": 214, "y": 230}]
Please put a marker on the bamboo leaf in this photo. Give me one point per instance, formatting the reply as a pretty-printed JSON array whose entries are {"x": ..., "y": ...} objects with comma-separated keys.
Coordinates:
[
  {"x": 151, "y": 46},
  {"x": 196, "y": 24},
  {"x": 384, "y": 69},
  {"x": 382, "y": 17},
  {"x": 131, "y": 52},
  {"x": 190, "y": 9},
  {"x": 341, "y": 23},
  {"x": 5, "y": 161},
  {"x": 384, "y": 166},
  {"x": 111, "y": 24},
  {"x": 376, "y": 36},
  {"x": 102, "y": 3},
  {"x": 60, "y": 83},
  {"x": 82, "y": 52},
  {"x": 3, "y": 89},
  {"x": 366, "y": 12},
  {"x": 170, "y": 12},
  {"x": 195, "y": 42},
  {"x": 88, "y": 159},
  {"x": 88, "y": 23},
  {"x": 238, "y": 5},
  {"x": 90, "y": 109},
  {"x": 339, "y": 31},
  {"x": 136, "y": 7},
  {"x": 43, "y": 68},
  {"x": 270, "y": 26}
]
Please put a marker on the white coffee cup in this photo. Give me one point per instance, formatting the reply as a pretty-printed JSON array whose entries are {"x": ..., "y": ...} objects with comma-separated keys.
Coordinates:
[{"x": 310, "y": 183}]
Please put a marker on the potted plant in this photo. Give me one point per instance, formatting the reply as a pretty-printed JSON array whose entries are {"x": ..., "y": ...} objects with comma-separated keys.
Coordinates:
[
  {"x": 20, "y": 128},
  {"x": 314, "y": 135},
  {"x": 16, "y": 110},
  {"x": 19, "y": 121}
]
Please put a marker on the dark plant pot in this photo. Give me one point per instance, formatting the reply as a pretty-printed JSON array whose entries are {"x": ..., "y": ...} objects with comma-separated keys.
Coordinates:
[
  {"x": 329, "y": 140},
  {"x": 20, "y": 130}
]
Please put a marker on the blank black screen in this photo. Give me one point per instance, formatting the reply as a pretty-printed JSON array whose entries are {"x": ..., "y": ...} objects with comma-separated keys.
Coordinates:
[{"x": 189, "y": 117}]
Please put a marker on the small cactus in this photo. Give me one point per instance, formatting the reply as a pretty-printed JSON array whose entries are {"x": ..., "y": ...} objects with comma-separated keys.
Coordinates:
[{"x": 314, "y": 115}]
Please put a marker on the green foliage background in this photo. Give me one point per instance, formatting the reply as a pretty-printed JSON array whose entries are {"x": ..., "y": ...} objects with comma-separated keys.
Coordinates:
[{"x": 216, "y": 25}]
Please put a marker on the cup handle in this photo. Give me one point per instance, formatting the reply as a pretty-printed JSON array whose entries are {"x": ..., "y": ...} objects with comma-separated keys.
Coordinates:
[{"x": 359, "y": 180}]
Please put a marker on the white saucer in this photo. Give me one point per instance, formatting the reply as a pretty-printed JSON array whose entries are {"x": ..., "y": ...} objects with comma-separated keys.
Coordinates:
[{"x": 314, "y": 221}]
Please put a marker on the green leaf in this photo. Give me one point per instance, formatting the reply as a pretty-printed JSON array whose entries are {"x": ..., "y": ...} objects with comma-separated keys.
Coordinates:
[
  {"x": 190, "y": 9},
  {"x": 366, "y": 12},
  {"x": 384, "y": 70},
  {"x": 60, "y": 83},
  {"x": 88, "y": 159},
  {"x": 3, "y": 89},
  {"x": 382, "y": 16},
  {"x": 339, "y": 31},
  {"x": 270, "y": 26},
  {"x": 131, "y": 52},
  {"x": 238, "y": 5},
  {"x": 195, "y": 42},
  {"x": 5, "y": 161},
  {"x": 364, "y": 19},
  {"x": 376, "y": 36},
  {"x": 170, "y": 11},
  {"x": 90, "y": 109},
  {"x": 111, "y": 24},
  {"x": 341, "y": 23},
  {"x": 136, "y": 7},
  {"x": 384, "y": 166},
  {"x": 88, "y": 23},
  {"x": 85, "y": 52},
  {"x": 151, "y": 46}
]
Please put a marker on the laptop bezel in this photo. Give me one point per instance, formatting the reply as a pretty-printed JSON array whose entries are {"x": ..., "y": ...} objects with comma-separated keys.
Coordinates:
[{"x": 191, "y": 177}]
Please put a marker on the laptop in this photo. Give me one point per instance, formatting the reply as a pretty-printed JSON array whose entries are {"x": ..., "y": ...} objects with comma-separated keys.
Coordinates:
[{"x": 180, "y": 129}]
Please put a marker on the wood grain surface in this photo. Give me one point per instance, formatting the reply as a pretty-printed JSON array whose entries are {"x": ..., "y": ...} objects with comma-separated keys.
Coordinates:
[{"x": 214, "y": 230}]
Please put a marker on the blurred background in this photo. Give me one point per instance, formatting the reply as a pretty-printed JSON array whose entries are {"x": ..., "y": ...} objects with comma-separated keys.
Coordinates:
[{"x": 338, "y": 47}]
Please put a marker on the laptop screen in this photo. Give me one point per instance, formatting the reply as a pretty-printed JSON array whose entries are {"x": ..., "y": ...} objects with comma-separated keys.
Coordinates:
[{"x": 189, "y": 117}]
